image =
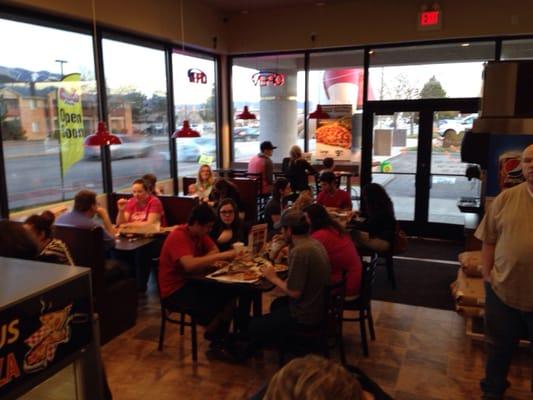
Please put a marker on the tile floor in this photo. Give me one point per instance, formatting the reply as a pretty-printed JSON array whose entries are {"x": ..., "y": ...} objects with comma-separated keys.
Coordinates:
[{"x": 419, "y": 353}]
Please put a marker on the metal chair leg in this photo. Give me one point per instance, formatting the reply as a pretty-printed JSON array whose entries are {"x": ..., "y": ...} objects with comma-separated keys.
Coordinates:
[
  {"x": 162, "y": 330},
  {"x": 362, "y": 328},
  {"x": 194, "y": 340},
  {"x": 371, "y": 324},
  {"x": 389, "y": 263}
]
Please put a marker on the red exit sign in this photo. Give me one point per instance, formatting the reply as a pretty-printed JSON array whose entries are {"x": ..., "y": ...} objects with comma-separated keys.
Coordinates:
[{"x": 429, "y": 19}]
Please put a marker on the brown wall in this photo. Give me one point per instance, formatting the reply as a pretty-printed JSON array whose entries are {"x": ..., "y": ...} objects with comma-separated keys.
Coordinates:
[
  {"x": 373, "y": 21},
  {"x": 158, "y": 18}
]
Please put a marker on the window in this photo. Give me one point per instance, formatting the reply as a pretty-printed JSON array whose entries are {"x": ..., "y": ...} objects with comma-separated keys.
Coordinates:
[
  {"x": 195, "y": 101},
  {"x": 43, "y": 138},
  {"x": 437, "y": 71},
  {"x": 137, "y": 111},
  {"x": 273, "y": 88},
  {"x": 517, "y": 49}
]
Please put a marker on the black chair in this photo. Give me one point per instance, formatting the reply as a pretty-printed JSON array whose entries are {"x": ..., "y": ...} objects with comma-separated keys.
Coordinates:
[
  {"x": 321, "y": 337},
  {"x": 167, "y": 315},
  {"x": 362, "y": 304}
]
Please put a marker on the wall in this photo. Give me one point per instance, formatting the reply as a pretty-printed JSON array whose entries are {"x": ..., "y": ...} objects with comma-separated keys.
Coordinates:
[
  {"x": 373, "y": 21},
  {"x": 161, "y": 21}
]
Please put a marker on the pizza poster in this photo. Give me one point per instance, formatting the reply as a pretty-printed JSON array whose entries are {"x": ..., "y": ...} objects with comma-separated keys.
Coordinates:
[
  {"x": 504, "y": 169},
  {"x": 334, "y": 135},
  {"x": 40, "y": 332}
]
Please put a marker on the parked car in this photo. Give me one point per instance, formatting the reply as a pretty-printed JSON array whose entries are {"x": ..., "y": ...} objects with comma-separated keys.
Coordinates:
[
  {"x": 454, "y": 126},
  {"x": 133, "y": 146},
  {"x": 246, "y": 134}
]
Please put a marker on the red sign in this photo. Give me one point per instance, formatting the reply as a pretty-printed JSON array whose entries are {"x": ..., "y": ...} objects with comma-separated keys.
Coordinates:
[
  {"x": 268, "y": 79},
  {"x": 197, "y": 76},
  {"x": 429, "y": 18}
]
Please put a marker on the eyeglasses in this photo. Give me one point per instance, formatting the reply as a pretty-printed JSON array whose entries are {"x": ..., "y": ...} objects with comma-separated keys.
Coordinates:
[{"x": 229, "y": 212}]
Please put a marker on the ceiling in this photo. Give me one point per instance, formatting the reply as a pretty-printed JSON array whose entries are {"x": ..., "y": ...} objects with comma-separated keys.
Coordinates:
[{"x": 245, "y": 5}]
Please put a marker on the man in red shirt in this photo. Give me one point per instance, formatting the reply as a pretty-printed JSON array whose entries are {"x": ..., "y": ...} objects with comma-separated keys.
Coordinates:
[
  {"x": 262, "y": 164},
  {"x": 330, "y": 195},
  {"x": 189, "y": 249}
]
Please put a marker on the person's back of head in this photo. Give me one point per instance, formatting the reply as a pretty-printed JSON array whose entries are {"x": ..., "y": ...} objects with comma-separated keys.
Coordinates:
[
  {"x": 327, "y": 163},
  {"x": 84, "y": 200},
  {"x": 375, "y": 200},
  {"x": 16, "y": 242},
  {"x": 279, "y": 186},
  {"x": 202, "y": 214},
  {"x": 295, "y": 152},
  {"x": 150, "y": 180},
  {"x": 313, "y": 378},
  {"x": 320, "y": 219},
  {"x": 42, "y": 224}
]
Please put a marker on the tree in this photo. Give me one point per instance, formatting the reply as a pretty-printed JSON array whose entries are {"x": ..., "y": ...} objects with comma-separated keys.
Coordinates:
[
  {"x": 208, "y": 112},
  {"x": 432, "y": 89},
  {"x": 12, "y": 129}
]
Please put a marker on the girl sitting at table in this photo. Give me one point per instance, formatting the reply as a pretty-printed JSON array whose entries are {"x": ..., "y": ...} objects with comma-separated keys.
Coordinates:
[
  {"x": 50, "y": 249},
  {"x": 227, "y": 229},
  {"x": 342, "y": 253},
  {"x": 378, "y": 229},
  {"x": 204, "y": 183},
  {"x": 142, "y": 209}
]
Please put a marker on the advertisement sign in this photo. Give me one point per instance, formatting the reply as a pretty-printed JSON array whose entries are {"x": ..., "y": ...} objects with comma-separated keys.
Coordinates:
[
  {"x": 504, "y": 169},
  {"x": 41, "y": 331},
  {"x": 334, "y": 135},
  {"x": 257, "y": 238},
  {"x": 70, "y": 121}
]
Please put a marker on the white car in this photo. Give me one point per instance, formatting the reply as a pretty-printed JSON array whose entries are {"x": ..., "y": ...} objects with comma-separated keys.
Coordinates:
[
  {"x": 133, "y": 146},
  {"x": 454, "y": 126}
]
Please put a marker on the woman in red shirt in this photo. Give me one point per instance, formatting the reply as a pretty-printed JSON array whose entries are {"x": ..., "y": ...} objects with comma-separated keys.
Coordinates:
[
  {"x": 142, "y": 209},
  {"x": 342, "y": 253}
]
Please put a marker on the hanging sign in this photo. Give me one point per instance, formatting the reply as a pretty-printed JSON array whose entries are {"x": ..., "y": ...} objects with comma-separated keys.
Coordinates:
[
  {"x": 268, "y": 79},
  {"x": 197, "y": 76}
]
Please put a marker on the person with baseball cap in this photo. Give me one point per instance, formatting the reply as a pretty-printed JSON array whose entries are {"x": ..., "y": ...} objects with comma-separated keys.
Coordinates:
[
  {"x": 262, "y": 164},
  {"x": 308, "y": 274}
]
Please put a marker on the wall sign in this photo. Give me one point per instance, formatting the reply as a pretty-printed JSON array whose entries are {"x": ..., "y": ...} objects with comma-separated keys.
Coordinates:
[
  {"x": 268, "y": 79},
  {"x": 197, "y": 76}
]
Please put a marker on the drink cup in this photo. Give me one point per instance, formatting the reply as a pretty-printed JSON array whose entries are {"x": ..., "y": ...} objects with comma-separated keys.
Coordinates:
[{"x": 239, "y": 249}]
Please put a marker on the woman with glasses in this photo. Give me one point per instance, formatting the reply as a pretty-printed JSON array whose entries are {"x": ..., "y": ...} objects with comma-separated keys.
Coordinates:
[{"x": 228, "y": 229}]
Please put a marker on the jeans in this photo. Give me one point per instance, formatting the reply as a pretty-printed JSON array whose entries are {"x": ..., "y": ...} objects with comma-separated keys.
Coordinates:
[{"x": 504, "y": 327}]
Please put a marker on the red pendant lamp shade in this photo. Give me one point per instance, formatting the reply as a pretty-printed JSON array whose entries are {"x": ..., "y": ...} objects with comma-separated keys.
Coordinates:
[
  {"x": 185, "y": 132},
  {"x": 246, "y": 114},
  {"x": 319, "y": 113},
  {"x": 102, "y": 137}
]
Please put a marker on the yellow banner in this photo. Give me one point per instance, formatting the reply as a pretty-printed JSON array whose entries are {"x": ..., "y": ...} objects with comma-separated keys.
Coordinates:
[{"x": 70, "y": 120}]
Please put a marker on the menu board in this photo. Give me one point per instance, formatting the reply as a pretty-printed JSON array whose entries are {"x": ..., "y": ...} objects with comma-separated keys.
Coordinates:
[
  {"x": 334, "y": 135},
  {"x": 38, "y": 333},
  {"x": 257, "y": 238}
]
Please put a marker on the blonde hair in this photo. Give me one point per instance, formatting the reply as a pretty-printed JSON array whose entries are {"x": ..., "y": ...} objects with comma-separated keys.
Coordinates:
[
  {"x": 211, "y": 178},
  {"x": 313, "y": 378},
  {"x": 295, "y": 152},
  {"x": 304, "y": 200}
]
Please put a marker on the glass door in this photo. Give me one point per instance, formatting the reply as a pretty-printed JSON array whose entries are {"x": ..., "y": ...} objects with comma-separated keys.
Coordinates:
[{"x": 416, "y": 158}]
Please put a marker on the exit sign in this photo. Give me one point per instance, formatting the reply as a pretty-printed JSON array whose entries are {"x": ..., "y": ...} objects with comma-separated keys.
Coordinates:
[{"x": 429, "y": 20}]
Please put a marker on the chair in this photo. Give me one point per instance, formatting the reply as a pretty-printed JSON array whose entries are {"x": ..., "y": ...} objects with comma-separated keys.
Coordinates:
[
  {"x": 363, "y": 302},
  {"x": 167, "y": 316},
  {"x": 319, "y": 336}
]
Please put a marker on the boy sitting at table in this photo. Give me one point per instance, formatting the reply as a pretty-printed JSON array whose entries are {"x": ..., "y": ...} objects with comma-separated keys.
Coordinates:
[
  {"x": 189, "y": 249},
  {"x": 330, "y": 196}
]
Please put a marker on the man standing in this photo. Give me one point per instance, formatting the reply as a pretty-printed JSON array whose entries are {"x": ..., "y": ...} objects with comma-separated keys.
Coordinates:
[
  {"x": 309, "y": 272},
  {"x": 262, "y": 164},
  {"x": 189, "y": 249},
  {"x": 507, "y": 259},
  {"x": 83, "y": 212},
  {"x": 330, "y": 195}
]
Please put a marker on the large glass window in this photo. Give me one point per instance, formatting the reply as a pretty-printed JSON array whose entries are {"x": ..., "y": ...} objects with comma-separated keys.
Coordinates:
[
  {"x": 195, "y": 101},
  {"x": 137, "y": 111},
  {"x": 273, "y": 88},
  {"x": 421, "y": 72},
  {"x": 47, "y": 106},
  {"x": 517, "y": 49}
]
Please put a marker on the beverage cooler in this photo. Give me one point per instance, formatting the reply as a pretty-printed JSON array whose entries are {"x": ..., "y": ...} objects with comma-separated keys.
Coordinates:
[
  {"x": 504, "y": 127},
  {"x": 49, "y": 346}
]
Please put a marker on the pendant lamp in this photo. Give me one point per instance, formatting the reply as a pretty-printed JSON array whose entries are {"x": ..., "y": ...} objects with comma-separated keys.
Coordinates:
[
  {"x": 319, "y": 113},
  {"x": 185, "y": 132},
  {"x": 102, "y": 137},
  {"x": 246, "y": 114}
]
